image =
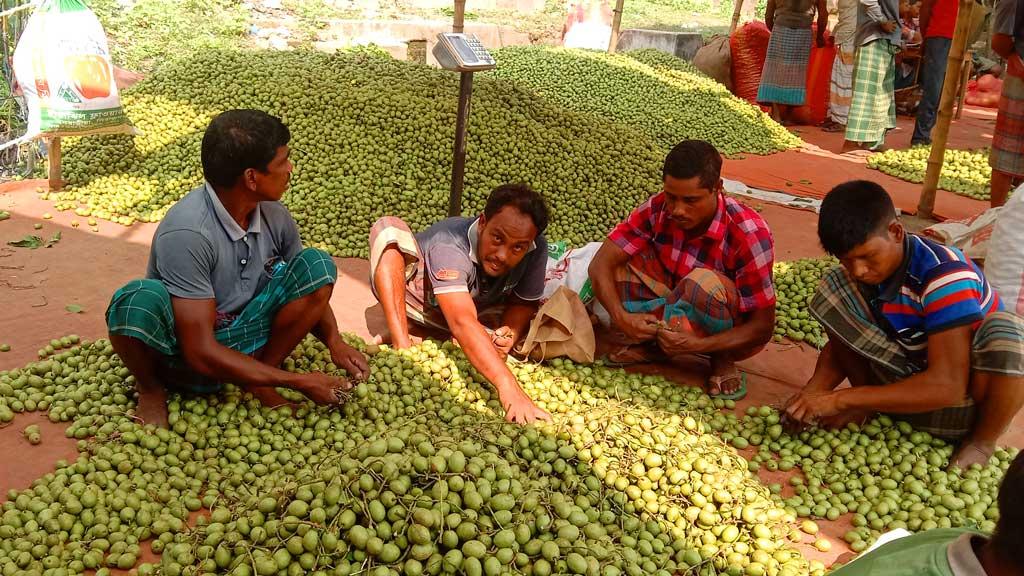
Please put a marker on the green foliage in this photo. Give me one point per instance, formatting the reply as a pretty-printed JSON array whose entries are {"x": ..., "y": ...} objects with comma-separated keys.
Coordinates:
[{"x": 151, "y": 32}]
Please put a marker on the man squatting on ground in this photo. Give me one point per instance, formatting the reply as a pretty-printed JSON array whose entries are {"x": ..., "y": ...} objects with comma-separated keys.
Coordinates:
[
  {"x": 455, "y": 274},
  {"x": 690, "y": 272},
  {"x": 230, "y": 291},
  {"x": 914, "y": 326}
]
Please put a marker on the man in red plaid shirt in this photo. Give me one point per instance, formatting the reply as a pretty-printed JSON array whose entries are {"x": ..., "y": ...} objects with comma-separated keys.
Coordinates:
[{"x": 690, "y": 272}]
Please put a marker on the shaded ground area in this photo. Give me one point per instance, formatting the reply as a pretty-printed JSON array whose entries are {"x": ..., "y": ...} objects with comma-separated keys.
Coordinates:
[{"x": 813, "y": 170}]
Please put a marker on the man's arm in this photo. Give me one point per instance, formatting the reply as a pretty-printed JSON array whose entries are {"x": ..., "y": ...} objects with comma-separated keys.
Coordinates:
[
  {"x": 769, "y": 14},
  {"x": 1003, "y": 18},
  {"x": 517, "y": 317},
  {"x": 822, "y": 10},
  {"x": 194, "y": 323},
  {"x": 609, "y": 258},
  {"x": 926, "y": 15},
  {"x": 874, "y": 10},
  {"x": 460, "y": 313},
  {"x": 942, "y": 384}
]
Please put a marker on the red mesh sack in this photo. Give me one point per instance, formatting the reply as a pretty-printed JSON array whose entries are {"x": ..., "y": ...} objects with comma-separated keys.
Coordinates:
[
  {"x": 819, "y": 78},
  {"x": 749, "y": 48}
]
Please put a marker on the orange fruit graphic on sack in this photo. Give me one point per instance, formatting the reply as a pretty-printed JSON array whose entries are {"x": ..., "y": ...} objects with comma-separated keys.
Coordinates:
[{"x": 90, "y": 74}]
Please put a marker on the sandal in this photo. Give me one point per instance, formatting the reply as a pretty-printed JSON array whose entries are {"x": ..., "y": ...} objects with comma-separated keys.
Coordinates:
[
  {"x": 833, "y": 127},
  {"x": 739, "y": 394}
]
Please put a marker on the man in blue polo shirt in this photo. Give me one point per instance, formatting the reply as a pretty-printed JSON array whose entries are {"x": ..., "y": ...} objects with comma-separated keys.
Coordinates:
[
  {"x": 914, "y": 326},
  {"x": 462, "y": 274},
  {"x": 230, "y": 291}
]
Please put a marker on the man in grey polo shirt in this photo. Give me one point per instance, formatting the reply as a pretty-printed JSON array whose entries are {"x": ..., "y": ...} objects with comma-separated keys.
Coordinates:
[
  {"x": 453, "y": 275},
  {"x": 230, "y": 291}
]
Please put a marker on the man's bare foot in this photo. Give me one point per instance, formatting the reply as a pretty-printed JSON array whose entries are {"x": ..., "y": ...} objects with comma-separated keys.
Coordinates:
[
  {"x": 152, "y": 405},
  {"x": 972, "y": 453}
]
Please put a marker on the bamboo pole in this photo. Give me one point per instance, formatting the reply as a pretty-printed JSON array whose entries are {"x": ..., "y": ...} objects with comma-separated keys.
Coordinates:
[
  {"x": 940, "y": 134},
  {"x": 460, "y": 15},
  {"x": 736, "y": 16},
  {"x": 613, "y": 42},
  {"x": 54, "y": 153}
]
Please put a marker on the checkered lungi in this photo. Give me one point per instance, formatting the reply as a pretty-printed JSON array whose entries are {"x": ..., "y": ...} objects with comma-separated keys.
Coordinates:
[
  {"x": 873, "y": 106},
  {"x": 841, "y": 307},
  {"x": 142, "y": 308},
  {"x": 784, "y": 76},
  {"x": 1007, "y": 154},
  {"x": 704, "y": 301},
  {"x": 841, "y": 85}
]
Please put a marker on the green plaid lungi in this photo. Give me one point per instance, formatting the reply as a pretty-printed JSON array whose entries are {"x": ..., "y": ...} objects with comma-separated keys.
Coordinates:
[
  {"x": 142, "y": 308},
  {"x": 873, "y": 107},
  {"x": 840, "y": 305}
]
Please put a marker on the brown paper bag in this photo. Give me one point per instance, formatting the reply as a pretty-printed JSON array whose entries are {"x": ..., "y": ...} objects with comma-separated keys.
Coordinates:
[{"x": 561, "y": 328}]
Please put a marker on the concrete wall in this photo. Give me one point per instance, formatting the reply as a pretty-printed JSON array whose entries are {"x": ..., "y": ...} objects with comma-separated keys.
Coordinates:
[{"x": 680, "y": 44}]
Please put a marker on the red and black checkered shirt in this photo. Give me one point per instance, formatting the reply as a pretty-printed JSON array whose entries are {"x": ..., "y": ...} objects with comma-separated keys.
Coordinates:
[{"x": 738, "y": 244}]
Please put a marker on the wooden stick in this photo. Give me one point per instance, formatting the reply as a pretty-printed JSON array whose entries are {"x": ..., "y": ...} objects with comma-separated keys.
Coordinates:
[
  {"x": 736, "y": 16},
  {"x": 613, "y": 42},
  {"x": 940, "y": 134},
  {"x": 56, "y": 182},
  {"x": 965, "y": 77},
  {"x": 460, "y": 15}
]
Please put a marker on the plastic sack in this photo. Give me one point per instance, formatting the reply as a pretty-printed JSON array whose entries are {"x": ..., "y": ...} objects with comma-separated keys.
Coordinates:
[
  {"x": 818, "y": 83},
  {"x": 749, "y": 49},
  {"x": 715, "y": 60},
  {"x": 1004, "y": 267},
  {"x": 971, "y": 235},
  {"x": 569, "y": 267},
  {"x": 63, "y": 67}
]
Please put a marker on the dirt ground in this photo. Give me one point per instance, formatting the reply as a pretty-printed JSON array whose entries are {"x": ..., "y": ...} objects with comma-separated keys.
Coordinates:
[{"x": 83, "y": 269}]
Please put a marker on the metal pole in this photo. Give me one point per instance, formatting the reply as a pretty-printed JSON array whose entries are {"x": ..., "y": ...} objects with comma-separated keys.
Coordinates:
[
  {"x": 613, "y": 42},
  {"x": 940, "y": 134},
  {"x": 461, "y": 127},
  {"x": 56, "y": 183},
  {"x": 460, "y": 15}
]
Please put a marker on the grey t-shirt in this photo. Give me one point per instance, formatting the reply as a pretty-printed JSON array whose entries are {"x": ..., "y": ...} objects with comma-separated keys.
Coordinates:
[
  {"x": 871, "y": 14},
  {"x": 449, "y": 250},
  {"x": 200, "y": 252}
]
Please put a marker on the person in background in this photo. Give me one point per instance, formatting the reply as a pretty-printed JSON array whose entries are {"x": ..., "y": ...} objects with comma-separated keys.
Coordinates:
[
  {"x": 914, "y": 326},
  {"x": 873, "y": 106},
  {"x": 784, "y": 77},
  {"x": 449, "y": 275},
  {"x": 938, "y": 19},
  {"x": 841, "y": 84},
  {"x": 689, "y": 272},
  {"x": 1007, "y": 156},
  {"x": 956, "y": 551}
]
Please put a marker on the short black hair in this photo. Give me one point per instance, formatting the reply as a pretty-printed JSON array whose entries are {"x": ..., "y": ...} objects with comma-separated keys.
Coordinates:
[
  {"x": 694, "y": 158},
  {"x": 237, "y": 140},
  {"x": 852, "y": 213},
  {"x": 522, "y": 198},
  {"x": 1008, "y": 538}
]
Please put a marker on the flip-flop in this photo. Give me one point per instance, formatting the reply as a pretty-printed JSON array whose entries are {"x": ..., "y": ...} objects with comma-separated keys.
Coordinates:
[{"x": 740, "y": 392}]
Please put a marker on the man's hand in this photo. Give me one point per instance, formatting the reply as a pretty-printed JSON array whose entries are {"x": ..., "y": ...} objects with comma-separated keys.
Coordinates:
[
  {"x": 503, "y": 339},
  {"x": 810, "y": 406},
  {"x": 821, "y": 39},
  {"x": 638, "y": 327},
  {"x": 519, "y": 408},
  {"x": 351, "y": 360},
  {"x": 321, "y": 388},
  {"x": 676, "y": 342},
  {"x": 888, "y": 26}
]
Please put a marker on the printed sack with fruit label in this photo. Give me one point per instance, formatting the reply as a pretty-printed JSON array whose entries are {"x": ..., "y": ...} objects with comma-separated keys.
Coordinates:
[{"x": 62, "y": 64}]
